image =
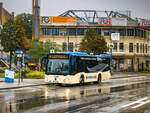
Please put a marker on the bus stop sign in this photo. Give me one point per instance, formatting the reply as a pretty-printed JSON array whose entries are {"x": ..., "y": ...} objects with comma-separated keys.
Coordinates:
[{"x": 19, "y": 52}]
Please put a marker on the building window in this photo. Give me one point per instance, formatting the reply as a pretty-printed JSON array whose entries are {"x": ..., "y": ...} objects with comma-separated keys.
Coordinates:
[
  {"x": 121, "y": 47},
  {"x": 80, "y": 31},
  {"x": 121, "y": 64},
  {"x": 49, "y": 31},
  {"x": 144, "y": 34},
  {"x": 64, "y": 46},
  {"x": 137, "y": 47},
  {"x": 70, "y": 46},
  {"x": 147, "y": 64},
  {"x": 55, "y": 31},
  {"x": 43, "y": 32},
  {"x": 122, "y": 32},
  {"x": 139, "y": 33},
  {"x": 130, "y": 65},
  {"x": 106, "y": 33},
  {"x": 141, "y": 48},
  {"x": 72, "y": 31},
  {"x": 136, "y": 32},
  {"x": 115, "y": 47},
  {"x": 46, "y": 31},
  {"x": 98, "y": 31},
  {"x": 146, "y": 48},
  {"x": 130, "y": 47},
  {"x": 63, "y": 32},
  {"x": 130, "y": 32}
]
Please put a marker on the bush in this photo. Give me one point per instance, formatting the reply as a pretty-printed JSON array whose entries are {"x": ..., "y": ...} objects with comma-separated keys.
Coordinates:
[
  {"x": 35, "y": 75},
  {"x": 2, "y": 75},
  {"x": 144, "y": 71},
  {"x": 2, "y": 71}
]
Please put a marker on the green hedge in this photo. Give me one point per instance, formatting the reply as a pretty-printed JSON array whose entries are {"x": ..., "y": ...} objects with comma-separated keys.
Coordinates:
[
  {"x": 35, "y": 75},
  {"x": 29, "y": 75},
  {"x": 2, "y": 75}
]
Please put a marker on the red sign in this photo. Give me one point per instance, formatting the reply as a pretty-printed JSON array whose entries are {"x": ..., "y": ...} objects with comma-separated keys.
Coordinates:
[
  {"x": 104, "y": 21},
  {"x": 143, "y": 22}
]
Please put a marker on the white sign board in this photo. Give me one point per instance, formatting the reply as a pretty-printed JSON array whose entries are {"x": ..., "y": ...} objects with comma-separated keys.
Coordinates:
[
  {"x": 119, "y": 21},
  {"x": 9, "y": 73},
  {"x": 115, "y": 36}
]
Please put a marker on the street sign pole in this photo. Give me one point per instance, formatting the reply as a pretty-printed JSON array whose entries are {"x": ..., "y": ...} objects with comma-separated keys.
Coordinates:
[{"x": 19, "y": 54}]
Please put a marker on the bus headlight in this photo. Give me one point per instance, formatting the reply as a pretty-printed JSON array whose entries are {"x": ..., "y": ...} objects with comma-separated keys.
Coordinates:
[{"x": 66, "y": 79}]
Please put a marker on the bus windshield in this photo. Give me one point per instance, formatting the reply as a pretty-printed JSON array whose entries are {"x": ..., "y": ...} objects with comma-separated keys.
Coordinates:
[{"x": 57, "y": 66}]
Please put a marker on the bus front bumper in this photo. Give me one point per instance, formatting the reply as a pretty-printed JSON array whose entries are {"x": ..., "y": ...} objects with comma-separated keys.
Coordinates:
[{"x": 59, "y": 79}]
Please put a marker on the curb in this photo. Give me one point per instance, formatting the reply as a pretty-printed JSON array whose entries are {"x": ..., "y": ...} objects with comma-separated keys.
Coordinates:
[
  {"x": 117, "y": 77},
  {"x": 16, "y": 87}
]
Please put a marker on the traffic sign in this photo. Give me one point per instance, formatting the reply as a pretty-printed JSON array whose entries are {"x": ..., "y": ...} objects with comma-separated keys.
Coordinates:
[
  {"x": 19, "y": 51},
  {"x": 52, "y": 50}
]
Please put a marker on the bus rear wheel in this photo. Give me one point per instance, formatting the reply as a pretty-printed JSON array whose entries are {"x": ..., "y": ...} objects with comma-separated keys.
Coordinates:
[
  {"x": 99, "y": 79},
  {"x": 82, "y": 80}
]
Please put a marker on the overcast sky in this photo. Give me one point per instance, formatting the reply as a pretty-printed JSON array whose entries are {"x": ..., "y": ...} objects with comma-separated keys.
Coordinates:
[{"x": 139, "y": 8}]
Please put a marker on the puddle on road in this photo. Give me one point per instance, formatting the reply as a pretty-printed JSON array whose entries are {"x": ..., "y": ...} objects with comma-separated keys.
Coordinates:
[{"x": 15, "y": 102}]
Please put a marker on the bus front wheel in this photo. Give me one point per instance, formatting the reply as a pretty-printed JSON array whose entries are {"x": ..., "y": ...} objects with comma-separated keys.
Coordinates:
[
  {"x": 82, "y": 80},
  {"x": 99, "y": 79}
]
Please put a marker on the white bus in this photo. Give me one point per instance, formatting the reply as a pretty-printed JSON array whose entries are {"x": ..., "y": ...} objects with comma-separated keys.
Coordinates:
[{"x": 76, "y": 68}]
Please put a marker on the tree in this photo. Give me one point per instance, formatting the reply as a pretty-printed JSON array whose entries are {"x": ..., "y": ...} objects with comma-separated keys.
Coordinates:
[
  {"x": 25, "y": 42},
  {"x": 12, "y": 36},
  {"x": 26, "y": 22},
  {"x": 39, "y": 50},
  {"x": 93, "y": 43}
]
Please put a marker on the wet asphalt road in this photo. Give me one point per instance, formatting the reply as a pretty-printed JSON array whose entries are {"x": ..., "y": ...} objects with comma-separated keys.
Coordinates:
[{"x": 123, "y": 95}]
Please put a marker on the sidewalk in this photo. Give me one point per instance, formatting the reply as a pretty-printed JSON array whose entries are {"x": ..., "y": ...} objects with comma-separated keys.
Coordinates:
[
  {"x": 38, "y": 82},
  {"x": 127, "y": 74},
  {"x": 25, "y": 83}
]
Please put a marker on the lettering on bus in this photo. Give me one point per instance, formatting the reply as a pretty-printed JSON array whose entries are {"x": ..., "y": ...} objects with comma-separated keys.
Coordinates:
[
  {"x": 91, "y": 77},
  {"x": 58, "y": 56}
]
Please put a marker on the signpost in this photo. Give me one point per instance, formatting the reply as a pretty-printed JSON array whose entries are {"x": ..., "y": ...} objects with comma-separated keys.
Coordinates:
[
  {"x": 19, "y": 54},
  {"x": 52, "y": 50}
]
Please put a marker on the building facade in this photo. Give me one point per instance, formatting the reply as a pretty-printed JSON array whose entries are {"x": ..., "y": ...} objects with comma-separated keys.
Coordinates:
[
  {"x": 130, "y": 39},
  {"x": 4, "y": 16}
]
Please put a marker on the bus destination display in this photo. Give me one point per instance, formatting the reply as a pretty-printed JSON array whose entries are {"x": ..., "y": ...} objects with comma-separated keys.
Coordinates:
[{"x": 58, "y": 56}]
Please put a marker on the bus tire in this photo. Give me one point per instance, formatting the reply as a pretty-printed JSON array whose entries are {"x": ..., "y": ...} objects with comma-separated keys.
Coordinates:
[
  {"x": 82, "y": 80},
  {"x": 99, "y": 79}
]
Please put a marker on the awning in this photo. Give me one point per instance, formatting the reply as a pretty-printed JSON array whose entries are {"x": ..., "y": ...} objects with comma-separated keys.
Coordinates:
[
  {"x": 27, "y": 58},
  {"x": 4, "y": 58}
]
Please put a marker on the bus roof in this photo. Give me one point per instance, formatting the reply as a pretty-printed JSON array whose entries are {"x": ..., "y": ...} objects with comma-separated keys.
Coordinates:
[
  {"x": 84, "y": 54},
  {"x": 75, "y": 53}
]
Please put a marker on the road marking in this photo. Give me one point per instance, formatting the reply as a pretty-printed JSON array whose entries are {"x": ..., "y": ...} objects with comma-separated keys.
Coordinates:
[
  {"x": 138, "y": 101},
  {"x": 141, "y": 104}
]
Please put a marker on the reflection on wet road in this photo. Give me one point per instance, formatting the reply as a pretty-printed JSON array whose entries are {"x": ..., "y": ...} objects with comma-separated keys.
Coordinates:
[{"x": 92, "y": 98}]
